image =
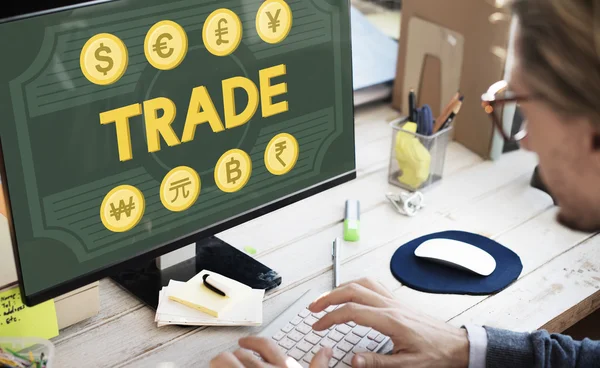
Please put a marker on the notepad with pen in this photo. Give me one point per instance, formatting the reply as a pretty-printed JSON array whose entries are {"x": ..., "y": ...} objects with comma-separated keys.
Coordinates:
[{"x": 209, "y": 299}]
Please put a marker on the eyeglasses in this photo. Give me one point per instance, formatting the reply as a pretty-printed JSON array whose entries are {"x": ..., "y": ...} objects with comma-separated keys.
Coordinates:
[{"x": 495, "y": 101}]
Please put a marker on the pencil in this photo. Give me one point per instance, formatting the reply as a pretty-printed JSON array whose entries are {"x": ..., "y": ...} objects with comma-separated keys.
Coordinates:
[
  {"x": 452, "y": 116},
  {"x": 446, "y": 112}
]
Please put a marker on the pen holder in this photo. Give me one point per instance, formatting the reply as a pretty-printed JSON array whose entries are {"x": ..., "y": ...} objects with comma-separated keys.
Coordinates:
[{"x": 416, "y": 161}]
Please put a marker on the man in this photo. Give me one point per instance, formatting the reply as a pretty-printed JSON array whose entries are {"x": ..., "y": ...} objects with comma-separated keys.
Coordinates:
[{"x": 556, "y": 81}]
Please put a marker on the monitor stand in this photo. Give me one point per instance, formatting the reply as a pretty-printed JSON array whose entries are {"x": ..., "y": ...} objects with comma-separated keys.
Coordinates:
[{"x": 146, "y": 279}]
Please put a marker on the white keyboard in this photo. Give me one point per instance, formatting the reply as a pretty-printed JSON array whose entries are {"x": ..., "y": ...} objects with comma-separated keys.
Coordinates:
[{"x": 294, "y": 335}]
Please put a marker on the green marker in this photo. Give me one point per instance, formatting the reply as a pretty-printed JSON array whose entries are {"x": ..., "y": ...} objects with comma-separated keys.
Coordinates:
[{"x": 352, "y": 220}]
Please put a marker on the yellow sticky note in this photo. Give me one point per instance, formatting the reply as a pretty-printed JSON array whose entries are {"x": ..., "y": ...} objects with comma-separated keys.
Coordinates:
[{"x": 16, "y": 319}]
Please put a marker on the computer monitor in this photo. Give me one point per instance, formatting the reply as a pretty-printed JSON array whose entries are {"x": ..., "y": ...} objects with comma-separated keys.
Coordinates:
[{"x": 132, "y": 128}]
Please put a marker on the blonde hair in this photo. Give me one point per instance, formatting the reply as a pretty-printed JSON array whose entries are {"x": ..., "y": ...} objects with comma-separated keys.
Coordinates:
[{"x": 558, "y": 45}]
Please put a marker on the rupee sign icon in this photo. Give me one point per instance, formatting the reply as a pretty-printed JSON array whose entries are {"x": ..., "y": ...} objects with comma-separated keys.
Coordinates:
[{"x": 279, "y": 148}]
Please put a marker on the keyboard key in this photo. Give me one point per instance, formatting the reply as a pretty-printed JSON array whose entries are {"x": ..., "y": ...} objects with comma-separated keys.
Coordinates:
[
  {"x": 342, "y": 365},
  {"x": 345, "y": 346},
  {"x": 361, "y": 331},
  {"x": 319, "y": 315},
  {"x": 310, "y": 320},
  {"x": 287, "y": 343},
  {"x": 308, "y": 357},
  {"x": 372, "y": 334},
  {"x": 303, "y": 328},
  {"x": 348, "y": 358},
  {"x": 338, "y": 354},
  {"x": 304, "y": 364},
  {"x": 332, "y": 363},
  {"x": 312, "y": 338},
  {"x": 283, "y": 350},
  {"x": 305, "y": 313},
  {"x": 335, "y": 336},
  {"x": 322, "y": 333},
  {"x": 380, "y": 338},
  {"x": 353, "y": 339},
  {"x": 316, "y": 349},
  {"x": 344, "y": 329},
  {"x": 372, "y": 345},
  {"x": 287, "y": 328},
  {"x": 351, "y": 324},
  {"x": 296, "y": 353},
  {"x": 296, "y": 320},
  {"x": 295, "y": 335},
  {"x": 279, "y": 335},
  {"x": 327, "y": 342},
  {"x": 330, "y": 309},
  {"x": 332, "y": 327},
  {"x": 359, "y": 349},
  {"x": 305, "y": 346}
]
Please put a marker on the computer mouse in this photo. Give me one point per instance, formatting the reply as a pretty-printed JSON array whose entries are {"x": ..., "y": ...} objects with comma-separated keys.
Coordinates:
[{"x": 457, "y": 254}]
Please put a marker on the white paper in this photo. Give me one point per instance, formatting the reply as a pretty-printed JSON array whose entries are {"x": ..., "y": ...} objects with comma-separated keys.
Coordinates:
[{"x": 247, "y": 312}]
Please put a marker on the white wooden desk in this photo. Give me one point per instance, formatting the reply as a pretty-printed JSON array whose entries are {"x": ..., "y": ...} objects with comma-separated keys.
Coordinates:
[{"x": 558, "y": 286}]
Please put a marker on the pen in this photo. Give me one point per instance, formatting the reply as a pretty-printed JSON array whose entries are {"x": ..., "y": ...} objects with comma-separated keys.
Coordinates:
[
  {"x": 336, "y": 262},
  {"x": 446, "y": 112},
  {"x": 452, "y": 115},
  {"x": 412, "y": 106}
]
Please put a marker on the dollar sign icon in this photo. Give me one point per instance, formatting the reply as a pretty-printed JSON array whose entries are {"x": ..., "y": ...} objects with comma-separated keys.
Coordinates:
[
  {"x": 103, "y": 59},
  {"x": 233, "y": 170},
  {"x": 106, "y": 58}
]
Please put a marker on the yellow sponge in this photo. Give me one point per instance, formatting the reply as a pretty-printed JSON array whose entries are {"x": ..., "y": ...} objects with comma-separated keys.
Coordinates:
[{"x": 413, "y": 158}]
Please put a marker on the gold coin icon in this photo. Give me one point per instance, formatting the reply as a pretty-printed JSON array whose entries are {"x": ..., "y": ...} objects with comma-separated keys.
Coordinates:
[
  {"x": 274, "y": 21},
  {"x": 233, "y": 170},
  {"x": 222, "y": 32},
  {"x": 180, "y": 189},
  {"x": 103, "y": 59},
  {"x": 281, "y": 154},
  {"x": 122, "y": 208},
  {"x": 166, "y": 45}
]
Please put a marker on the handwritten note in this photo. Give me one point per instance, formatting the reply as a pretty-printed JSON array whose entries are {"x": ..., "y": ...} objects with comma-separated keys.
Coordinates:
[{"x": 16, "y": 319}]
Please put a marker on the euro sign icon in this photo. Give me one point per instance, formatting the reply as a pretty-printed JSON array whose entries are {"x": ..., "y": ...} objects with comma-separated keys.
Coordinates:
[
  {"x": 161, "y": 45},
  {"x": 221, "y": 31}
]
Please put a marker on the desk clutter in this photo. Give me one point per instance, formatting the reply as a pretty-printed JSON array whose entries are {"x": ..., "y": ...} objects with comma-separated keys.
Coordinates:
[
  {"x": 209, "y": 299},
  {"x": 26, "y": 352},
  {"x": 419, "y": 144}
]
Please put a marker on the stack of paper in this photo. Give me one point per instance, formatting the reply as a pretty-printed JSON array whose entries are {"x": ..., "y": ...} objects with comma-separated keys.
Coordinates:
[{"x": 192, "y": 303}]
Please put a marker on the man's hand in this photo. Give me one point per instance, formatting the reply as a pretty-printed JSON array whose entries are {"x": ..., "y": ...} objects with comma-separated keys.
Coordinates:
[
  {"x": 419, "y": 340},
  {"x": 268, "y": 350}
]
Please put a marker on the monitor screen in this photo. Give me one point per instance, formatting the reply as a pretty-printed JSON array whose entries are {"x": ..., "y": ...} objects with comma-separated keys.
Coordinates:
[{"x": 130, "y": 127}]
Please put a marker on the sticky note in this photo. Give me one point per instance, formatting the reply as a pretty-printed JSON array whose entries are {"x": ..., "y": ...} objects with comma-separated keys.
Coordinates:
[{"x": 18, "y": 320}]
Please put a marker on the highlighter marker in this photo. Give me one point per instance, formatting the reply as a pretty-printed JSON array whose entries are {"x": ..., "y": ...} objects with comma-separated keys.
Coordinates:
[{"x": 352, "y": 220}]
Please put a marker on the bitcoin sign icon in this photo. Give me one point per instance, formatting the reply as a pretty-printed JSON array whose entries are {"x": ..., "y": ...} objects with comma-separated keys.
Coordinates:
[
  {"x": 103, "y": 59},
  {"x": 233, "y": 170},
  {"x": 122, "y": 208},
  {"x": 180, "y": 189},
  {"x": 273, "y": 21},
  {"x": 166, "y": 45},
  {"x": 281, "y": 154},
  {"x": 222, "y": 32}
]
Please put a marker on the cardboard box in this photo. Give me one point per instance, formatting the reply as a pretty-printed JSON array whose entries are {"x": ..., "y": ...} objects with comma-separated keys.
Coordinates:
[{"x": 481, "y": 62}]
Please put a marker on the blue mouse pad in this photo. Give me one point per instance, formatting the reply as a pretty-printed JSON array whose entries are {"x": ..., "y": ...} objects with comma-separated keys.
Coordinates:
[{"x": 427, "y": 276}]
